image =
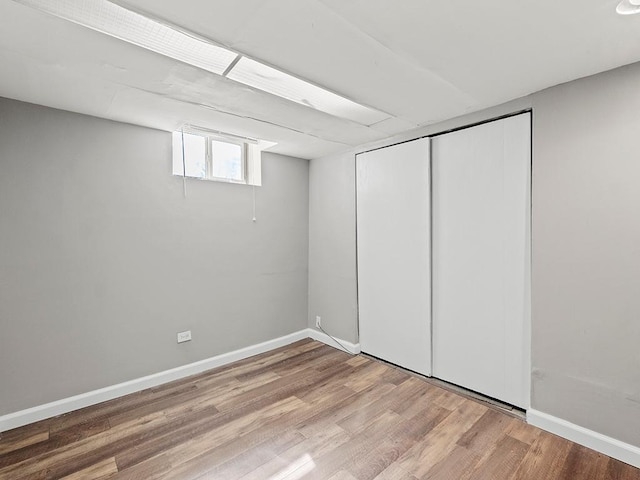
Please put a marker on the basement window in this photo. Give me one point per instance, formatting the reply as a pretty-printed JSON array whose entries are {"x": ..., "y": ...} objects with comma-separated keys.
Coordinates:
[{"x": 213, "y": 156}]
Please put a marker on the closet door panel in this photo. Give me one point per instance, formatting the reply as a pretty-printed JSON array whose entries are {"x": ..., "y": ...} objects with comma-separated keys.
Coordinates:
[
  {"x": 481, "y": 257},
  {"x": 393, "y": 240}
]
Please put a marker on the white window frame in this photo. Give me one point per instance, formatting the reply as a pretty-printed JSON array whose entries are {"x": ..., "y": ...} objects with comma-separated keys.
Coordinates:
[
  {"x": 209, "y": 139},
  {"x": 251, "y": 155}
]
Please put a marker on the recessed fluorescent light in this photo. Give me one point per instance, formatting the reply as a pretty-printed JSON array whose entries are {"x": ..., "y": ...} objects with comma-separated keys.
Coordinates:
[
  {"x": 116, "y": 21},
  {"x": 278, "y": 83},
  {"x": 628, "y": 7},
  {"x": 112, "y": 19}
]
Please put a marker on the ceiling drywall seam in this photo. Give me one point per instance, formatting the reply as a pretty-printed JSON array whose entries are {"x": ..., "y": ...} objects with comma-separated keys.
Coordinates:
[
  {"x": 248, "y": 117},
  {"x": 402, "y": 56}
]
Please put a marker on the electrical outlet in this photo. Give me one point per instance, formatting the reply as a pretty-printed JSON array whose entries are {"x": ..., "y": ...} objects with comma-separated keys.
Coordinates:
[
  {"x": 184, "y": 336},
  {"x": 318, "y": 321}
]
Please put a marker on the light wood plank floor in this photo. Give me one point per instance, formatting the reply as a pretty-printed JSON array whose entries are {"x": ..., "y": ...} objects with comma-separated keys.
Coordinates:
[{"x": 303, "y": 411}]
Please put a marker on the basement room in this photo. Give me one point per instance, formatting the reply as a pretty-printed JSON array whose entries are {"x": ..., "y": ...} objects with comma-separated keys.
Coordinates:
[{"x": 319, "y": 239}]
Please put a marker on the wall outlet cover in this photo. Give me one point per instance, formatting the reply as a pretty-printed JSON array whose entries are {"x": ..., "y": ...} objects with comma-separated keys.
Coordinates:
[{"x": 184, "y": 336}]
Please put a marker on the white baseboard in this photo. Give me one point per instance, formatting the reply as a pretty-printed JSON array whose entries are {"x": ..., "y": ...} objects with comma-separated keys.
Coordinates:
[
  {"x": 622, "y": 451},
  {"x": 48, "y": 410},
  {"x": 353, "y": 348}
]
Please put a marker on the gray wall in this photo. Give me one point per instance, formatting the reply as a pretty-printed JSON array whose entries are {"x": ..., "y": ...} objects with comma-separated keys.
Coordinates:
[
  {"x": 102, "y": 259},
  {"x": 586, "y": 253},
  {"x": 332, "y": 245},
  {"x": 585, "y": 250}
]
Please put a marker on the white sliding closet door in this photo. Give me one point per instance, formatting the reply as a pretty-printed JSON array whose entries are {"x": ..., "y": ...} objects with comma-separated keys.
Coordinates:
[
  {"x": 393, "y": 218},
  {"x": 481, "y": 231}
]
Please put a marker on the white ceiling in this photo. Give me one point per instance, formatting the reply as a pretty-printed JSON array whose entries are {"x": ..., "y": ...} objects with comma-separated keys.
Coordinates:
[{"x": 421, "y": 61}]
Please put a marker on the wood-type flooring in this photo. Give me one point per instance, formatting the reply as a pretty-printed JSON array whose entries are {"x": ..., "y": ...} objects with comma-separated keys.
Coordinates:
[{"x": 304, "y": 411}]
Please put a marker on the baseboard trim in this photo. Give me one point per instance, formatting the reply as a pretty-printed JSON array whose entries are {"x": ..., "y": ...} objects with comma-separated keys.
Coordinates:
[
  {"x": 617, "y": 449},
  {"x": 66, "y": 405},
  {"x": 353, "y": 348}
]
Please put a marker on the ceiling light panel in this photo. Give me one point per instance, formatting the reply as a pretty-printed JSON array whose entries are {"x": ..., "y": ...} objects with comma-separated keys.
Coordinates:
[
  {"x": 628, "y": 7},
  {"x": 278, "y": 83},
  {"x": 116, "y": 21}
]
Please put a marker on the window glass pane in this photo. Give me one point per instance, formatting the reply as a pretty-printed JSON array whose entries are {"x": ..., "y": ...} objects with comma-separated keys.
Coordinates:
[
  {"x": 195, "y": 155},
  {"x": 227, "y": 161}
]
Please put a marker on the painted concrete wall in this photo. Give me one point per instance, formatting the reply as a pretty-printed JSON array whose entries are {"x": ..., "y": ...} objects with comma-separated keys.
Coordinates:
[
  {"x": 586, "y": 253},
  {"x": 585, "y": 250},
  {"x": 103, "y": 261},
  {"x": 332, "y": 245}
]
